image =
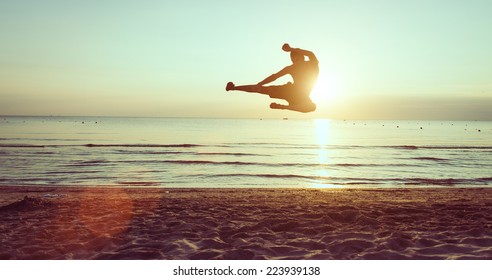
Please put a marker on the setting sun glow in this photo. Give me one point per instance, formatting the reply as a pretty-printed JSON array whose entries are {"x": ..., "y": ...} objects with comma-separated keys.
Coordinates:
[{"x": 327, "y": 89}]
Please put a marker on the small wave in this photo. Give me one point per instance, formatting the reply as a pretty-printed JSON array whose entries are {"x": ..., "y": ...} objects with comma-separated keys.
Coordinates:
[
  {"x": 211, "y": 162},
  {"x": 360, "y": 181},
  {"x": 188, "y": 153},
  {"x": 43, "y": 153},
  {"x": 456, "y": 147},
  {"x": 11, "y": 139},
  {"x": 438, "y": 182},
  {"x": 87, "y": 163},
  {"x": 143, "y": 145},
  {"x": 21, "y": 146},
  {"x": 132, "y": 152},
  {"x": 357, "y": 164},
  {"x": 404, "y": 147},
  {"x": 416, "y": 181},
  {"x": 72, "y": 172},
  {"x": 430, "y": 159},
  {"x": 485, "y": 180},
  {"x": 138, "y": 183},
  {"x": 231, "y": 154},
  {"x": 266, "y": 175},
  {"x": 411, "y": 147},
  {"x": 426, "y": 181},
  {"x": 352, "y": 147},
  {"x": 279, "y": 165}
]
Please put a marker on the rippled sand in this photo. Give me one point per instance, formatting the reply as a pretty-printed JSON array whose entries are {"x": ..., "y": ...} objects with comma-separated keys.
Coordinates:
[{"x": 113, "y": 223}]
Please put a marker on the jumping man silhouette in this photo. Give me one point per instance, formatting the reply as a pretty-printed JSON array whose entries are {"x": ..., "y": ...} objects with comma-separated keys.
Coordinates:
[{"x": 304, "y": 75}]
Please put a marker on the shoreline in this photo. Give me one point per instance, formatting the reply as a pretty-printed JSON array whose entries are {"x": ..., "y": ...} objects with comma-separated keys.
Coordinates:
[
  {"x": 44, "y": 187},
  {"x": 246, "y": 223}
]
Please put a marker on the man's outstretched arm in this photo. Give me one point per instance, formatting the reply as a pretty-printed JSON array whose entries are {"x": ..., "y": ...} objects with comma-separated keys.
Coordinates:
[
  {"x": 307, "y": 53},
  {"x": 275, "y": 76}
]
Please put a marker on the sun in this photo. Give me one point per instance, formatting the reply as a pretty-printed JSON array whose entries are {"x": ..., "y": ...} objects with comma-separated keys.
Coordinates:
[{"x": 327, "y": 89}]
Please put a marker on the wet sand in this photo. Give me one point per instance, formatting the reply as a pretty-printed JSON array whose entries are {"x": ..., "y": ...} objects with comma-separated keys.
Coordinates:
[{"x": 136, "y": 223}]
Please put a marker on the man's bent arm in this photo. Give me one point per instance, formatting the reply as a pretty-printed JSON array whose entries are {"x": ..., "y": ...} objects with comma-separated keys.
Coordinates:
[{"x": 307, "y": 53}]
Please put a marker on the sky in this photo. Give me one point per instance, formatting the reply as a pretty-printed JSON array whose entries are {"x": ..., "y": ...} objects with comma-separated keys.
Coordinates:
[{"x": 420, "y": 59}]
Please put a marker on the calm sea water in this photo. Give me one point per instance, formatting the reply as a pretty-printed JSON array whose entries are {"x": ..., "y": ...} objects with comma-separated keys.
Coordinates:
[{"x": 167, "y": 152}]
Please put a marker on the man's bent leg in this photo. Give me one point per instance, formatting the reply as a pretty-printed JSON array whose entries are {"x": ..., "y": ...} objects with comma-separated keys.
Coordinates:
[{"x": 303, "y": 108}]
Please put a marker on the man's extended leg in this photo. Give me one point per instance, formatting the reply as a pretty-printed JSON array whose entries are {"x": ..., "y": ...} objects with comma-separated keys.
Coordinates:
[{"x": 247, "y": 88}]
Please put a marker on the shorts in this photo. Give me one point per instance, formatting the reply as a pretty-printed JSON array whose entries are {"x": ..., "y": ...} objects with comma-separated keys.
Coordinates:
[{"x": 287, "y": 92}]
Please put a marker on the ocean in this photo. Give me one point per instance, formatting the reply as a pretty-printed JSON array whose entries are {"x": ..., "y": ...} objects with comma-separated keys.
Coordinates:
[{"x": 243, "y": 153}]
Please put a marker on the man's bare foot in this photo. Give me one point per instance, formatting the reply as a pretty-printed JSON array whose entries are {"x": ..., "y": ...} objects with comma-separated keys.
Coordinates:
[{"x": 230, "y": 86}]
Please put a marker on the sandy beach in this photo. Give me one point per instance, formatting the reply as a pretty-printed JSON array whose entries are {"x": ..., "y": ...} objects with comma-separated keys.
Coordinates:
[{"x": 131, "y": 223}]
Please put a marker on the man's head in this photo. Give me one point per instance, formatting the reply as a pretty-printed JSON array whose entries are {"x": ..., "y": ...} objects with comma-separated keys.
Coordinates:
[{"x": 296, "y": 57}]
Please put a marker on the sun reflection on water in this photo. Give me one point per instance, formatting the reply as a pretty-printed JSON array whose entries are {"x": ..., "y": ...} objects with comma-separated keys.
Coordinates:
[
  {"x": 322, "y": 127},
  {"x": 322, "y": 132}
]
